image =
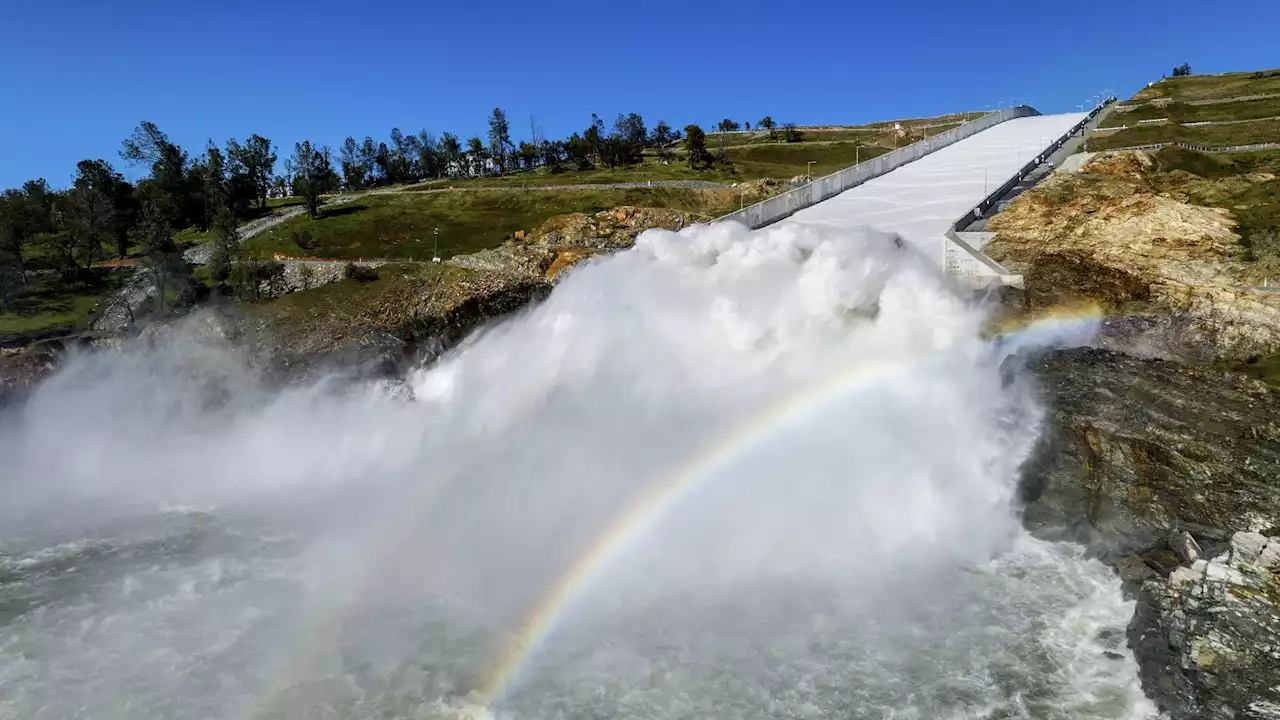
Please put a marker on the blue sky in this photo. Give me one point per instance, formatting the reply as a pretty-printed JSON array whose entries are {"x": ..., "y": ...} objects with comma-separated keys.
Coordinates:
[{"x": 80, "y": 75}]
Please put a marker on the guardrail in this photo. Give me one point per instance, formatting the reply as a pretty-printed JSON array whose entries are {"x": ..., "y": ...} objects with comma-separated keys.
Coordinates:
[
  {"x": 811, "y": 193},
  {"x": 960, "y": 258},
  {"x": 990, "y": 200},
  {"x": 1201, "y": 148}
]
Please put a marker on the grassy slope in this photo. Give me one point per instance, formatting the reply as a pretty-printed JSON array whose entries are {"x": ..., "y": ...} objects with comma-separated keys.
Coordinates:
[
  {"x": 1205, "y": 87},
  {"x": 49, "y": 305},
  {"x": 400, "y": 225},
  {"x": 1254, "y": 204},
  {"x": 1185, "y": 113},
  {"x": 650, "y": 169},
  {"x": 766, "y": 160},
  {"x": 789, "y": 159},
  {"x": 1261, "y": 131}
]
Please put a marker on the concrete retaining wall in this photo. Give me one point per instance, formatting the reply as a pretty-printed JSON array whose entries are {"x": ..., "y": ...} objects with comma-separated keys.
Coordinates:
[{"x": 782, "y": 206}]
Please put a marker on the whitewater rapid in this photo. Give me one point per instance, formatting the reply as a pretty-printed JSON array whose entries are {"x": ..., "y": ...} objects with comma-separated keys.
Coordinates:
[{"x": 179, "y": 540}]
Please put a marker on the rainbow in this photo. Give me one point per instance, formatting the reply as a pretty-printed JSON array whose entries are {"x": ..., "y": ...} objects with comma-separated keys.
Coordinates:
[{"x": 541, "y": 621}]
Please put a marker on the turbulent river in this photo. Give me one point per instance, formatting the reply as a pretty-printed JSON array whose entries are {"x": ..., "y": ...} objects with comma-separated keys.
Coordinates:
[{"x": 720, "y": 475}]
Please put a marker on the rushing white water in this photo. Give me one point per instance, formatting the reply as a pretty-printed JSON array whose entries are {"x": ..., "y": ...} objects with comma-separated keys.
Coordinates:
[{"x": 177, "y": 541}]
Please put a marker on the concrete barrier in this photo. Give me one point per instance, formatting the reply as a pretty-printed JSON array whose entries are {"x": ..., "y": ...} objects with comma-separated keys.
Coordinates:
[
  {"x": 962, "y": 259},
  {"x": 786, "y": 204}
]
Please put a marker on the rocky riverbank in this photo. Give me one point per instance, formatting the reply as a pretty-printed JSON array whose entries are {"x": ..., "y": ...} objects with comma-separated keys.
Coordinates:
[{"x": 1171, "y": 473}]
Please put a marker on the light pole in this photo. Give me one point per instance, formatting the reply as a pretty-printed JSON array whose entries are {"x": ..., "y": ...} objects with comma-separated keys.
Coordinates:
[
  {"x": 435, "y": 253},
  {"x": 808, "y": 172}
]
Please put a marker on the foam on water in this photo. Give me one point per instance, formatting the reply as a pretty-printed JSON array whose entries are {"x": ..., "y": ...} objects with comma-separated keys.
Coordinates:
[{"x": 181, "y": 542}]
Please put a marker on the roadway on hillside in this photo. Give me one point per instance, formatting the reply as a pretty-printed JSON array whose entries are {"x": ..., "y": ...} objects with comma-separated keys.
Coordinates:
[{"x": 921, "y": 200}]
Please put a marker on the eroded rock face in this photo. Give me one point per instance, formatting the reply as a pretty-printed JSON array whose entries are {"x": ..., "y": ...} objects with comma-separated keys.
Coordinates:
[
  {"x": 1172, "y": 474},
  {"x": 1135, "y": 449},
  {"x": 1116, "y": 234}
]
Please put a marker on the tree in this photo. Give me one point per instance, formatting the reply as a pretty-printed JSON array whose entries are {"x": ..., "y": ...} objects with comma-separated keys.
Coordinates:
[
  {"x": 89, "y": 220},
  {"x": 312, "y": 173},
  {"x": 382, "y": 160},
  {"x": 695, "y": 142},
  {"x": 12, "y": 275},
  {"x": 728, "y": 125},
  {"x": 579, "y": 151},
  {"x": 746, "y": 125},
  {"x": 214, "y": 183},
  {"x": 593, "y": 135},
  {"x": 528, "y": 155},
  {"x": 162, "y": 260},
  {"x": 553, "y": 154},
  {"x": 791, "y": 134},
  {"x": 257, "y": 159},
  {"x": 100, "y": 176},
  {"x": 353, "y": 172},
  {"x": 429, "y": 160},
  {"x": 25, "y": 214},
  {"x": 476, "y": 156},
  {"x": 369, "y": 160},
  {"x": 630, "y": 127},
  {"x": 1182, "y": 70},
  {"x": 226, "y": 243},
  {"x": 661, "y": 135},
  {"x": 767, "y": 123},
  {"x": 399, "y": 158},
  {"x": 499, "y": 138},
  {"x": 169, "y": 188},
  {"x": 13, "y": 240},
  {"x": 451, "y": 153}
]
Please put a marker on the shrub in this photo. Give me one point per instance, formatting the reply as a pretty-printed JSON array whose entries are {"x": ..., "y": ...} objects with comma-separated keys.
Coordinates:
[
  {"x": 359, "y": 273},
  {"x": 304, "y": 240}
]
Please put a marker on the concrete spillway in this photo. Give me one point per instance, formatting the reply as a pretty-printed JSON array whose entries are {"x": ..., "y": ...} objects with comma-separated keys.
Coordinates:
[{"x": 921, "y": 200}]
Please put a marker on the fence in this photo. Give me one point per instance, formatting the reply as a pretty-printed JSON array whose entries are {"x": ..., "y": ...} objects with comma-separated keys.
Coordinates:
[
  {"x": 990, "y": 200},
  {"x": 960, "y": 258},
  {"x": 788, "y": 203},
  {"x": 1201, "y": 148}
]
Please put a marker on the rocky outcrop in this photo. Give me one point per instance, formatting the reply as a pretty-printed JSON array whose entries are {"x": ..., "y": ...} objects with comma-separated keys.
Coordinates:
[
  {"x": 566, "y": 240},
  {"x": 1172, "y": 474},
  {"x": 21, "y": 369},
  {"x": 1208, "y": 634},
  {"x": 1125, "y": 237}
]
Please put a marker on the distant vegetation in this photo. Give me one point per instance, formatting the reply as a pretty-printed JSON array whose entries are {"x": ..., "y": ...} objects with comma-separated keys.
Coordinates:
[{"x": 64, "y": 251}]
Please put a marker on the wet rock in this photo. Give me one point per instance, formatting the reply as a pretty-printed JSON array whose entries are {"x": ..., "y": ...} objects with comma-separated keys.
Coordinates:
[
  {"x": 1133, "y": 571},
  {"x": 1135, "y": 449},
  {"x": 1185, "y": 546},
  {"x": 1172, "y": 474},
  {"x": 1222, "y": 622}
]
